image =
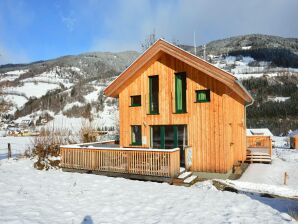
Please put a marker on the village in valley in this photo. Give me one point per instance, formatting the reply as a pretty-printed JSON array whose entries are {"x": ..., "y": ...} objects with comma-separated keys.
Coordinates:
[{"x": 152, "y": 127}]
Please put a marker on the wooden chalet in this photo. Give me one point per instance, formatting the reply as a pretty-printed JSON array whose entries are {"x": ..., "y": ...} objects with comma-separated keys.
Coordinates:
[{"x": 175, "y": 110}]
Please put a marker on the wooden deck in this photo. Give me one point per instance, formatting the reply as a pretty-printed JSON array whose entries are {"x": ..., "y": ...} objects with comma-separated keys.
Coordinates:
[
  {"x": 259, "y": 149},
  {"x": 133, "y": 161}
]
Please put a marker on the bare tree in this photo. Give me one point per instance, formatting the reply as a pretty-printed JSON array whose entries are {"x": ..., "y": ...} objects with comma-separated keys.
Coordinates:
[{"x": 149, "y": 40}]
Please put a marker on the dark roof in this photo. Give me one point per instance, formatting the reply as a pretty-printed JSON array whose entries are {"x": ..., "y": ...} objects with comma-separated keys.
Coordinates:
[{"x": 293, "y": 133}]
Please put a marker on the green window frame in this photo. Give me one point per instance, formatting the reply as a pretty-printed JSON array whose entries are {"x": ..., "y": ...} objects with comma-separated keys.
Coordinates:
[
  {"x": 203, "y": 96},
  {"x": 135, "y": 101},
  {"x": 153, "y": 94},
  {"x": 180, "y": 92},
  {"x": 136, "y": 135}
]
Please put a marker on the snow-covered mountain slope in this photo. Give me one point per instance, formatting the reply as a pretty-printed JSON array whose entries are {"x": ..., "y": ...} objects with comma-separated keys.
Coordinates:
[{"x": 71, "y": 86}]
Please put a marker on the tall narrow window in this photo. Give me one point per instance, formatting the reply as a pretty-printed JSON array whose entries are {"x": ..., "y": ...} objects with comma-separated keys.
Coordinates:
[
  {"x": 180, "y": 92},
  {"x": 153, "y": 94},
  {"x": 202, "y": 96},
  {"x": 136, "y": 135}
]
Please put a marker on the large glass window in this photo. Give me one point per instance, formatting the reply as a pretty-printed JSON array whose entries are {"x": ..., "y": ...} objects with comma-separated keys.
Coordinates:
[
  {"x": 180, "y": 92},
  {"x": 153, "y": 94},
  {"x": 136, "y": 135}
]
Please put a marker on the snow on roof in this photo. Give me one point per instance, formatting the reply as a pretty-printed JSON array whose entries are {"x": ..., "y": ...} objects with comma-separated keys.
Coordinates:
[
  {"x": 258, "y": 131},
  {"x": 293, "y": 133}
]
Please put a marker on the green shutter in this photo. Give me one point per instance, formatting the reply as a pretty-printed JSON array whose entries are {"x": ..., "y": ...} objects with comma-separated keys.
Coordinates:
[{"x": 180, "y": 92}]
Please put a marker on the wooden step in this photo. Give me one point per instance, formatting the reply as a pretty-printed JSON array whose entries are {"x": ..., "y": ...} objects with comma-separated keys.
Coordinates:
[
  {"x": 184, "y": 175},
  {"x": 190, "y": 179}
]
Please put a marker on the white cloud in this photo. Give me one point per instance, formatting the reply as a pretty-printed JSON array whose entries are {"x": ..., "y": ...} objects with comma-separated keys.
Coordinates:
[
  {"x": 133, "y": 20},
  {"x": 69, "y": 22}
]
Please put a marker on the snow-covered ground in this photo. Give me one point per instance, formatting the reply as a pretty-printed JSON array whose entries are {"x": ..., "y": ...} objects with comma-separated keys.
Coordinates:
[
  {"x": 30, "y": 89},
  {"x": 31, "y": 196},
  {"x": 18, "y": 145},
  {"x": 283, "y": 160},
  {"x": 12, "y": 75}
]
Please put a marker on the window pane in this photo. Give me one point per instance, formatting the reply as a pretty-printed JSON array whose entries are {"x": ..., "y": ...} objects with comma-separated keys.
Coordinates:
[
  {"x": 203, "y": 95},
  {"x": 169, "y": 137},
  {"x": 156, "y": 141},
  {"x": 153, "y": 94},
  {"x": 136, "y": 134},
  {"x": 135, "y": 100}
]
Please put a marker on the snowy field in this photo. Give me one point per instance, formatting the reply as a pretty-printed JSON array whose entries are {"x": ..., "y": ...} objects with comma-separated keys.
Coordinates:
[
  {"x": 18, "y": 145},
  {"x": 30, "y": 196}
]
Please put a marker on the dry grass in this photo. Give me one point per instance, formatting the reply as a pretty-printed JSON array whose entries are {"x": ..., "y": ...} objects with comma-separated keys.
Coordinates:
[
  {"x": 87, "y": 132},
  {"x": 46, "y": 147}
]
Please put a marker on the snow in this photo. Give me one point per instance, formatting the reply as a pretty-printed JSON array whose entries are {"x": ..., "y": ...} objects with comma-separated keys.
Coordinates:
[
  {"x": 17, "y": 72},
  {"x": 18, "y": 145},
  {"x": 258, "y": 131},
  {"x": 31, "y": 89},
  {"x": 183, "y": 175},
  {"x": 12, "y": 75},
  {"x": 246, "y": 48},
  {"x": 71, "y": 105},
  {"x": 278, "y": 99},
  {"x": 270, "y": 178},
  {"x": 62, "y": 122},
  {"x": 93, "y": 96},
  {"x": 19, "y": 101},
  {"x": 293, "y": 133},
  {"x": 190, "y": 179},
  {"x": 31, "y": 196}
]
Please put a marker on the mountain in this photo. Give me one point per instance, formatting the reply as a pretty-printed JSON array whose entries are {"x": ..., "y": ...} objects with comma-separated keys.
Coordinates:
[{"x": 69, "y": 88}]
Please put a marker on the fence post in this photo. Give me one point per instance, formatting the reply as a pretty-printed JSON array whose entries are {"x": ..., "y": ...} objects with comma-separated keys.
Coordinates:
[
  {"x": 9, "y": 151},
  {"x": 286, "y": 176}
]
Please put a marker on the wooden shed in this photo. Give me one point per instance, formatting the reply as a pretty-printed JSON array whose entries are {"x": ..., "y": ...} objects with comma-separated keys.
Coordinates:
[
  {"x": 259, "y": 145},
  {"x": 294, "y": 139},
  {"x": 169, "y": 98}
]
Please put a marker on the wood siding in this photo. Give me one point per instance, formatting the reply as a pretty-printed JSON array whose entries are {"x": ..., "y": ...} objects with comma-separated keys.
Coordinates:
[
  {"x": 294, "y": 142},
  {"x": 216, "y": 129}
]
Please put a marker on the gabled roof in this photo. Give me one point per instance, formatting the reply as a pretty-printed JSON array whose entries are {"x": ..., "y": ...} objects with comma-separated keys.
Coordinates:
[
  {"x": 259, "y": 131},
  {"x": 293, "y": 133},
  {"x": 162, "y": 46}
]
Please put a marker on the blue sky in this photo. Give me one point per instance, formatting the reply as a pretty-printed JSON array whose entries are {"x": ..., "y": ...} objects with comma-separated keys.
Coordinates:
[{"x": 33, "y": 30}]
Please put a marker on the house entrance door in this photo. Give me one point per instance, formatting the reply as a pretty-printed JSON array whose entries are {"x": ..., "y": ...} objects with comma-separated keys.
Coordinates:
[{"x": 169, "y": 137}]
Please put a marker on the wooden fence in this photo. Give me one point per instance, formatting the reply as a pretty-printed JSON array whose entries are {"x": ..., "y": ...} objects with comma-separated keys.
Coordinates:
[
  {"x": 153, "y": 162},
  {"x": 260, "y": 142}
]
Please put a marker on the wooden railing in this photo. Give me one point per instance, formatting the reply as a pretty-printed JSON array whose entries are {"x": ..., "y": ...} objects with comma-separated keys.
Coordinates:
[
  {"x": 264, "y": 142},
  {"x": 153, "y": 162}
]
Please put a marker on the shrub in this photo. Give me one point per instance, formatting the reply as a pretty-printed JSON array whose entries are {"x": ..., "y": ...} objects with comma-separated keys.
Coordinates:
[{"x": 46, "y": 147}]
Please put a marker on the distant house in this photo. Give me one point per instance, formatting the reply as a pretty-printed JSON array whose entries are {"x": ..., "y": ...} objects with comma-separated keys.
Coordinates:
[
  {"x": 259, "y": 145},
  {"x": 259, "y": 131},
  {"x": 294, "y": 139}
]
